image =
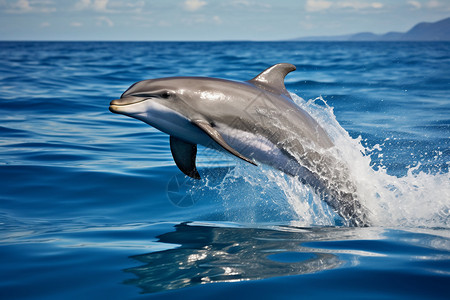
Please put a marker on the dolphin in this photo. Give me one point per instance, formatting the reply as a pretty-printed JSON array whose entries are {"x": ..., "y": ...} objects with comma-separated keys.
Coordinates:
[{"x": 257, "y": 121}]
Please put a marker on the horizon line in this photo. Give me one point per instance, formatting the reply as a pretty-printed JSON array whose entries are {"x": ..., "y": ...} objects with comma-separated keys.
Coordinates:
[{"x": 223, "y": 41}]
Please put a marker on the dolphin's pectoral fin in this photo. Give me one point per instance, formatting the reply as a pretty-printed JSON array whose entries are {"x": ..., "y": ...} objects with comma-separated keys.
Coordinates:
[
  {"x": 272, "y": 79},
  {"x": 184, "y": 156},
  {"x": 215, "y": 135}
]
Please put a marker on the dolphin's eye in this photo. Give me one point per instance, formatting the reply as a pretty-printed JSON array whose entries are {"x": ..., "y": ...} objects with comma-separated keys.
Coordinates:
[{"x": 165, "y": 95}]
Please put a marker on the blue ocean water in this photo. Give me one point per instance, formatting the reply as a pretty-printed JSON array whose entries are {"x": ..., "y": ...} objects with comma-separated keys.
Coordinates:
[{"x": 93, "y": 206}]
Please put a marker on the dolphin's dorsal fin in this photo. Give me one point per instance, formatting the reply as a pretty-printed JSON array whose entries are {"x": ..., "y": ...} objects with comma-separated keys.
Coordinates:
[
  {"x": 215, "y": 135},
  {"x": 184, "y": 156},
  {"x": 272, "y": 79}
]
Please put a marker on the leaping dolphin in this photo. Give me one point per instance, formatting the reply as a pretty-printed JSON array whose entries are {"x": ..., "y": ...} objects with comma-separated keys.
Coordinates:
[{"x": 255, "y": 120}]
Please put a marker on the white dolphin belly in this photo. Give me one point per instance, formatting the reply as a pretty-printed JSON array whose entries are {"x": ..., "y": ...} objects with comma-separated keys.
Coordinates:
[{"x": 261, "y": 149}]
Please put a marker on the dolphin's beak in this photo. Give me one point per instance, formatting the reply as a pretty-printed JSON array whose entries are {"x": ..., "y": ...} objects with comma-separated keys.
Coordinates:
[{"x": 116, "y": 104}]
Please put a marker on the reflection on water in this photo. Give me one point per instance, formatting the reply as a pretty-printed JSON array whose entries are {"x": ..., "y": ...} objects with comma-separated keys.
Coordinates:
[{"x": 223, "y": 254}]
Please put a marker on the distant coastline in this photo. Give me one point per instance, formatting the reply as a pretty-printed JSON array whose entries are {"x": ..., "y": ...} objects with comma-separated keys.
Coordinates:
[
  {"x": 437, "y": 31},
  {"x": 422, "y": 32}
]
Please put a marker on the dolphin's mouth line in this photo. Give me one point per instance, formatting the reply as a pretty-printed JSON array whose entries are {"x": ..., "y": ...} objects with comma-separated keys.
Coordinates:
[
  {"x": 117, "y": 105},
  {"x": 125, "y": 102}
]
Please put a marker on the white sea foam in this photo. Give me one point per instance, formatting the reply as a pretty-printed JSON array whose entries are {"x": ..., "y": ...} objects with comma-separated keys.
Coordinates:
[{"x": 417, "y": 199}]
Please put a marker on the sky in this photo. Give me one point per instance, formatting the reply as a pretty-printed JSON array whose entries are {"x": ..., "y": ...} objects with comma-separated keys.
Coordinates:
[{"x": 179, "y": 20}]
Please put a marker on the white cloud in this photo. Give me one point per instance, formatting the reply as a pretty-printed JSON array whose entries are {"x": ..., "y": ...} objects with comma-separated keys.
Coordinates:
[
  {"x": 102, "y": 20},
  {"x": 358, "y": 5},
  {"x": 321, "y": 5},
  {"x": 430, "y": 5},
  {"x": 245, "y": 3},
  {"x": 317, "y": 5},
  {"x": 193, "y": 5},
  {"x": 100, "y": 5},
  {"x": 241, "y": 3},
  {"x": 23, "y": 5},
  {"x": 108, "y": 6},
  {"x": 97, "y": 5},
  {"x": 134, "y": 7},
  {"x": 377, "y": 5},
  {"x": 76, "y": 24},
  {"x": 45, "y": 24},
  {"x": 26, "y": 6},
  {"x": 415, "y": 4}
]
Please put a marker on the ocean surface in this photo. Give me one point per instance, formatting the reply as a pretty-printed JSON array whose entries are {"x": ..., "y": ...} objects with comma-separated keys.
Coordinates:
[{"x": 92, "y": 205}]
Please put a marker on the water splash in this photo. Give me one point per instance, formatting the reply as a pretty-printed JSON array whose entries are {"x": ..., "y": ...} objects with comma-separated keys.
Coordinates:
[{"x": 417, "y": 199}]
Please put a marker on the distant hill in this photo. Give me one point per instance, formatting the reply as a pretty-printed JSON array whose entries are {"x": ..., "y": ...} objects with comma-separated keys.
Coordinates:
[{"x": 437, "y": 31}]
